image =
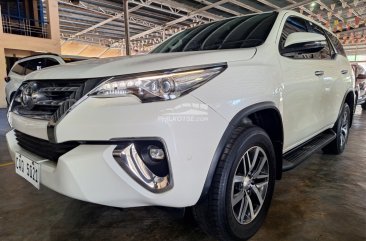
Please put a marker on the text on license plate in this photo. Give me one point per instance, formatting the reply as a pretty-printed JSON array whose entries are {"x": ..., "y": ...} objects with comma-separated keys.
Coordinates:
[{"x": 28, "y": 169}]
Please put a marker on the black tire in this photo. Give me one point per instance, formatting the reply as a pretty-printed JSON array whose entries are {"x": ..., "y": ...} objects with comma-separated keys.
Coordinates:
[
  {"x": 215, "y": 213},
  {"x": 341, "y": 128}
]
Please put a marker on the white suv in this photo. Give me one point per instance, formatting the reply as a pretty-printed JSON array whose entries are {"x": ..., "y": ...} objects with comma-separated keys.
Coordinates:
[
  {"x": 209, "y": 119},
  {"x": 27, "y": 65}
]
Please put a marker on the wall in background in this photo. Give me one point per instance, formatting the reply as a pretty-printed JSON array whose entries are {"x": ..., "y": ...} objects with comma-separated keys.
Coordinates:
[{"x": 18, "y": 45}]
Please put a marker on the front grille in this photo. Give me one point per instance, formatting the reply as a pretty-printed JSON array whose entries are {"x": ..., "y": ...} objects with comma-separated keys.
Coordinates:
[
  {"x": 43, "y": 148},
  {"x": 50, "y": 99}
]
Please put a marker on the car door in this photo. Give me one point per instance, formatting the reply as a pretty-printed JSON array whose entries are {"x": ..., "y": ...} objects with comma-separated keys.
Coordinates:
[
  {"x": 330, "y": 76},
  {"x": 302, "y": 89},
  {"x": 345, "y": 75}
]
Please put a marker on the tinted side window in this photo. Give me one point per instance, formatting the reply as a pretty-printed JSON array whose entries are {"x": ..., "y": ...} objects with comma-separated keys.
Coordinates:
[
  {"x": 337, "y": 44},
  {"x": 48, "y": 62},
  {"x": 327, "y": 52},
  {"x": 19, "y": 68},
  {"x": 293, "y": 25},
  {"x": 33, "y": 65}
]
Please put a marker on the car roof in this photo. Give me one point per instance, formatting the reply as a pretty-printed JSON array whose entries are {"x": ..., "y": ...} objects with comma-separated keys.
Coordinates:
[{"x": 38, "y": 56}]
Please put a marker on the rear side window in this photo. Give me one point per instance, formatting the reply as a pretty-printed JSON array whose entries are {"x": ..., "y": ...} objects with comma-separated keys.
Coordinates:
[
  {"x": 48, "y": 62},
  {"x": 40, "y": 63},
  {"x": 337, "y": 44},
  {"x": 19, "y": 68},
  {"x": 240, "y": 32},
  {"x": 33, "y": 65}
]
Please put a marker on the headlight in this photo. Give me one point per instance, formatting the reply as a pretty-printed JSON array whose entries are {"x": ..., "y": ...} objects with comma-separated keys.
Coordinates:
[{"x": 158, "y": 86}]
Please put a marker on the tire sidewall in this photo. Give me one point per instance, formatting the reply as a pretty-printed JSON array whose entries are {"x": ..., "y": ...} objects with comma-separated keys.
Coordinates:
[
  {"x": 339, "y": 128},
  {"x": 253, "y": 136}
]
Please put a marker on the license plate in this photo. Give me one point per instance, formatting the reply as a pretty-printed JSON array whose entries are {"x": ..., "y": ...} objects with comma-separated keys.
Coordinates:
[{"x": 28, "y": 169}]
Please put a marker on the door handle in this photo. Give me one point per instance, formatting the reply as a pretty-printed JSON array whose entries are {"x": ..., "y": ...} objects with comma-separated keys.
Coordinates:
[
  {"x": 319, "y": 73},
  {"x": 344, "y": 71}
]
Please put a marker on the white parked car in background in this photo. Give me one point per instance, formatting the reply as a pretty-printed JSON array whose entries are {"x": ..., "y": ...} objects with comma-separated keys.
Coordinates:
[
  {"x": 360, "y": 88},
  {"x": 209, "y": 119},
  {"x": 25, "y": 66}
]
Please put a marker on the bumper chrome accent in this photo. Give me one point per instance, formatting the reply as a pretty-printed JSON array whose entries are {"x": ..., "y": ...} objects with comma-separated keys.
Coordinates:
[{"x": 129, "y": 159}]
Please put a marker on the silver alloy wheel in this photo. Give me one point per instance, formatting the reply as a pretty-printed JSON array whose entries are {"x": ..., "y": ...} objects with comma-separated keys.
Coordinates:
[
  {"x": 344, "y": 128},
  {"x": 250, "y": 183}
]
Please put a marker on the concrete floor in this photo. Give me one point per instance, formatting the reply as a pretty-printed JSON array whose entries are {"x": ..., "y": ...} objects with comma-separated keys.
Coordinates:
[{"x": 323, "y": 199}]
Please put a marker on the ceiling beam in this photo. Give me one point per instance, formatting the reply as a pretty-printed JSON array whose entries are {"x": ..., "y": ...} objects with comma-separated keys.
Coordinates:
[
  {"x": 134, "y": 18},
  {"x": 347, "y": 5},
  {"x": 103, "y": 22},
  {"x": 227, "y": 10},
  {"x": 265, "y": 2},
  {"x": 296, "y": 4},
  {"x": 305, "y": 9},
  {"x": 246, "y": 6},
  {"x": 181, "y": 19},
  {"x": 182, "y": 7},
  {"x": 221, "y": 8},
  {"x": 301, "y": 6},
  {"x": 329, "y": 10},
  {"x": 111, "y": 16}
]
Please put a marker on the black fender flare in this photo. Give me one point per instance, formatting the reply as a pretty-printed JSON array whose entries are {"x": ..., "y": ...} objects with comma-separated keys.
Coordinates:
[
  {"x": 236, "y": 121},
  {"x": 344, "y": 101}
]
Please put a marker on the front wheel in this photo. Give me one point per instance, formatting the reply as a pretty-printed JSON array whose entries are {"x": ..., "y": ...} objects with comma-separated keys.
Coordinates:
[
  {"x": 242, "y": 188},
  {"x": 341, "y": 128}
]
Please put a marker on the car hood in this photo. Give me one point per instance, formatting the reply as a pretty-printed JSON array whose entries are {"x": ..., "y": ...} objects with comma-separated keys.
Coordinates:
[{"x": 140, "y": 63}]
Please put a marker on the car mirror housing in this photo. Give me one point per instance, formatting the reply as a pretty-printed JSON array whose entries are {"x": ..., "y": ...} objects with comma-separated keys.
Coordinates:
[{"x": 303, "y": 43}]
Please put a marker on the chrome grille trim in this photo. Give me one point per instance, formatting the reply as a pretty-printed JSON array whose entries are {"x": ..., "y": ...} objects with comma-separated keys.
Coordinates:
[
  {"x": 51, "y": 99},
  {"x": 59, "y": 89},
  {"x": 48, "y": 96}
]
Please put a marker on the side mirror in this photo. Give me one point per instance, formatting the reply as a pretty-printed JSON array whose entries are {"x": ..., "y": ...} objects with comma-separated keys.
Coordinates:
[
  {"x": 303, "y": 43},
  {"x": 7, "y": 79}
]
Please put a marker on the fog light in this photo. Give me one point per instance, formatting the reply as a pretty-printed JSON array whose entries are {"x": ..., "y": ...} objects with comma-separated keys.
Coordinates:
[
  {"x": 146, "y": 162},
  {"x": 156, "y": 153}
]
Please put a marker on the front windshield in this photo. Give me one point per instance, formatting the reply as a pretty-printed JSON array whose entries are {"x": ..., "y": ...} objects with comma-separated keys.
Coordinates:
[{"x": 241, "y": 32}]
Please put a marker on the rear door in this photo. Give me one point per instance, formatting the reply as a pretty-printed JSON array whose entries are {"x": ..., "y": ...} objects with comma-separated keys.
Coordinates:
[
  {"x": 303, "y": 114},
  {"x": 345, "y": 75},
  {"x": 331, "y": 78}
]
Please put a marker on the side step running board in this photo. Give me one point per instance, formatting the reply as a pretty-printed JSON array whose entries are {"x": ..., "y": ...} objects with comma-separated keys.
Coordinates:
[{"x": 293, "y": 158}]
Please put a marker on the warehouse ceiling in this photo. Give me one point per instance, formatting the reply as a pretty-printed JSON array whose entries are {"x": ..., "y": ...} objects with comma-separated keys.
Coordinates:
[{"x": 151, "y": 21}]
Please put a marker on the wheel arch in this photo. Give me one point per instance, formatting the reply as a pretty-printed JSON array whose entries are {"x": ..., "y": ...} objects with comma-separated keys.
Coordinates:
[
  {"x": 12, "y": 95},
  {"x": 350, "y": 99},
  {"x": 265, "y": 115}
]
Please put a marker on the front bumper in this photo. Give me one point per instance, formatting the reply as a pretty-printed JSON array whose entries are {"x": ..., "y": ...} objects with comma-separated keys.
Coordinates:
[{"x": 90, "y": 172}]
